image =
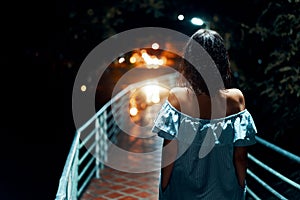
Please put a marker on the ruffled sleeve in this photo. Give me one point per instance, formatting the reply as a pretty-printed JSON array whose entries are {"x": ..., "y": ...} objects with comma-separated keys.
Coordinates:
[
  {"x": 244, "y": 130},
  {"x": 167, "y": 122}
]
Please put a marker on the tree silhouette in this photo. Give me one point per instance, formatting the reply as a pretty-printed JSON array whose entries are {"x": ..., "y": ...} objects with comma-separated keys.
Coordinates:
[{"x": 273, "y": 72}]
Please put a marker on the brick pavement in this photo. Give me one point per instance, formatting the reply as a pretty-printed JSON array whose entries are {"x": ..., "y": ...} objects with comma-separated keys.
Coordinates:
[{"x": 120, "y": 185}]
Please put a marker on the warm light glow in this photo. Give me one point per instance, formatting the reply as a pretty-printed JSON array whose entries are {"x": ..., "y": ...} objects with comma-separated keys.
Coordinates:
[
  {"x": 132, "y": 101},
  {"x": 133, "y": 111},
  {"x": 152, "y": 93},
  {"x": 163, "y": 60},
  {"x": 152, "y": 61},
  {"x": 197, "y": 21},
  {"x": 160, "y": 61},
  {"x": 83, "y": 88},
  {"x": 136, "y": 55},
  {"x": 143, "y": 51},
  {"x": 147, "y": 58},
  {"x": 132, "y": 59},
  {"x": 155, "y": 60},
  {"x": 155, "y": 46},
  {"x": 145, "y": 54},
  {"x": 180, "y": 17},
  {"x": 154, "y": 66},
  {"x": 121, "y": 60},
  {"x": 155, "y": 97}
]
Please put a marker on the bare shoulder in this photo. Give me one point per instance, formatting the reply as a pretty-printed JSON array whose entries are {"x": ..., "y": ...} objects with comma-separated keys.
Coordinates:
[
  {"x": 236, "y": 93},
  {"x": 235, "y": 100},
  {"x": 176, "y": 96}
]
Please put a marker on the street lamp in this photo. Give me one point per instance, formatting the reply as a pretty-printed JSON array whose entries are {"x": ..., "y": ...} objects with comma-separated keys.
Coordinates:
[
  {"x": 199, "y": 22},
  {"x": 180, "y": 17}
]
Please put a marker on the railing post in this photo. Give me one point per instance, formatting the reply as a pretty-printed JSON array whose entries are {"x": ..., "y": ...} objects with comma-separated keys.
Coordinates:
[
  {"x": 97, "y": 151},
  {"x": 72, "y": 187},
  {"x": 101, "y": 142},
  {"x": 75, "y": 174}
]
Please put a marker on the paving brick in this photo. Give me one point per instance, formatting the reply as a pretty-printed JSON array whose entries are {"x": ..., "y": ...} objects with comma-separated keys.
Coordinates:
[
  {"x": 104, "y": 184},
  {"x": 120, "y": 180},
  {"x": 117, "y": 187},
  {"x": 132, "y": 183},
  {"x": 101, "y": 191},
  {"x": 128, "y": 198},
  {"x": 143, "y": 194},
  {"x": 114, "y": 195},
  {"x": 130, "y": 190},
  {"x": 143, "y": 186}
]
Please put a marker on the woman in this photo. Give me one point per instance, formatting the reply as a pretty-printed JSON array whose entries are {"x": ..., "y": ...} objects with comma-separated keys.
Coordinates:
[{"x": 206, "y": 128}]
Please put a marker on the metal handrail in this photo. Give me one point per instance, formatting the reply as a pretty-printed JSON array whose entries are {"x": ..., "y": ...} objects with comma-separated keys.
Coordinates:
[
  {"x": 265, "y": 185},
  {"x": 282, "y": 152},
  {"x": 252, "y": 194},
  {"x": 63, "y": 182},
  {"x": 278, "y": 149},
  {"x": 274, "y": 172},
  {"x": 68, "y": 188}
]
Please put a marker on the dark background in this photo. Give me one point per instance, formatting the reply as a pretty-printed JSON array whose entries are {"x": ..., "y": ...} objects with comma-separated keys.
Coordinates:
[
  {"x": 36, "y": 86},
  {"x": 35, "y": 137}
]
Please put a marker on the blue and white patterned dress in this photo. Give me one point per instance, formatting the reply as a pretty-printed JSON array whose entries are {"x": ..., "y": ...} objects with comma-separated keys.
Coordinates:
[{"x": 204, "y": 167}]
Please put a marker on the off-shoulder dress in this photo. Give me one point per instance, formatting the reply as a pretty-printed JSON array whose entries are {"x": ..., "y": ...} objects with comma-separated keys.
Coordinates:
[{"x": 204, "y": 167}]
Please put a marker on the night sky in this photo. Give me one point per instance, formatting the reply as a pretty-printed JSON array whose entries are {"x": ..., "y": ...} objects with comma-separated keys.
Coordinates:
[{"x": 36, "y": 121}]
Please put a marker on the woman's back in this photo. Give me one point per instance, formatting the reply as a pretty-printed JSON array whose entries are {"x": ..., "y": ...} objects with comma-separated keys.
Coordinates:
[{"x": 203, "y": 167}]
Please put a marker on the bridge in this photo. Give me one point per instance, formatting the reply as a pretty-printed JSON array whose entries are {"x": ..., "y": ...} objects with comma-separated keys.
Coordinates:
[{"x": 114, "y": 155}]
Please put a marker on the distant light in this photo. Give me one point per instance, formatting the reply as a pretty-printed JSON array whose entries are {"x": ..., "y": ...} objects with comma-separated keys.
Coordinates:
[
  {"x": 163, "y": 60},
  {"x": 236, "y": 74},
  {"x": 121, "y": 60},
  {"x": 132, "y": 59},
  {"x": 69, "y": 64},
  {"x": 90, "y": 12},
  {"x": 259, "y": 61},
  {"x": 155, "y": 46},
  {"x": 133, "y": 111},
  {"x": 197, "y": 21},
  {"x": 180, "y": 17},
  {"x": 83, "y": 88}
]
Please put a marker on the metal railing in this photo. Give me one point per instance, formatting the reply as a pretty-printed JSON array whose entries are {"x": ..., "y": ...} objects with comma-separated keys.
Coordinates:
[
  {"x": 92, "y": 140},
  {"x": 294, "y": 158}
]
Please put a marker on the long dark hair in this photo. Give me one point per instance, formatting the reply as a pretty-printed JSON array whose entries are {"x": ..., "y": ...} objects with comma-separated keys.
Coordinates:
[{"x": 213, "y": 44}]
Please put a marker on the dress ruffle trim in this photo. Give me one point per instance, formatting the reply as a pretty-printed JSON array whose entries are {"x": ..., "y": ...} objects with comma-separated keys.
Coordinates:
[
  {"x": 244, "y": 130},
  {"x": 168, "y": 121}
]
